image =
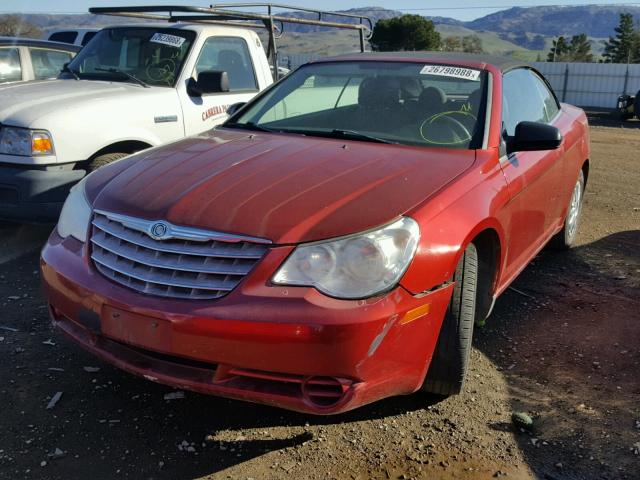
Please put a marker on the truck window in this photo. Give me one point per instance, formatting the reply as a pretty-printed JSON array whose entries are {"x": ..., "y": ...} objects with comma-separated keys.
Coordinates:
[
  {"x": 87, "y": 36},
  {"x": 153, "y": 55},
  {"x": 231, "y": 55},
  {"x": 10, "y": 70},
  {"x": 48, "y": 63},
  {"x": 64, "y": 37}
]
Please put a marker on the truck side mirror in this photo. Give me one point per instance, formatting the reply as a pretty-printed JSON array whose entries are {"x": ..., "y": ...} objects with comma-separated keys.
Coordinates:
[
  {"x": 208, "y": 82},
  {"x": 532, "y": 136}
]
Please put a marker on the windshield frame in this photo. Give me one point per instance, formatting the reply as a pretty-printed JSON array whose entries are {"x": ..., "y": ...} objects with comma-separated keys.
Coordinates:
[
  {"x": 477, "y": 141},
  {"x": 191, "y": 36}
]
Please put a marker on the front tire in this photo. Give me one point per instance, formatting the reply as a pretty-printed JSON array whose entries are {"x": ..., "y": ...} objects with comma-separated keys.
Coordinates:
[
  {"x": 450, "y": 361},
  {"x": 102, "y": 160},
  {"x": 566, "y": 237}
]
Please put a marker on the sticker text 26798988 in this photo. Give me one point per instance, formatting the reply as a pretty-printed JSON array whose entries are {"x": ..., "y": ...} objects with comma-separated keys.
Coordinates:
[{"x": 456, "y": 72}]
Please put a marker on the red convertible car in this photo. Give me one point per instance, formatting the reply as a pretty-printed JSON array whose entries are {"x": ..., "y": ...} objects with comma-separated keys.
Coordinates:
[{"x": 334, "y": 242}]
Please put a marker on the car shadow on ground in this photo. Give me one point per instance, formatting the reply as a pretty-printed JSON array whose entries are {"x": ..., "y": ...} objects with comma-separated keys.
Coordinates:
[{"x": 571, "y": 358}]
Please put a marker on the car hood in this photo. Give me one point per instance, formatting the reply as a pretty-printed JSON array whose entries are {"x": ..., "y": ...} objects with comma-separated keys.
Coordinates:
[
  {"x": 285, "y": 188},
  {"x": 23, "y": 104}
]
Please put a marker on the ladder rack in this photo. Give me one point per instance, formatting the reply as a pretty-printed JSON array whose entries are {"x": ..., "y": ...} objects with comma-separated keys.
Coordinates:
[{"x": 227, "y": 14}]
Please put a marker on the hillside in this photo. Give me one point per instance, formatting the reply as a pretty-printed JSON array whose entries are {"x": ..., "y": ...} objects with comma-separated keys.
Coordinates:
[
  {"x": 523, "y": 32},
  {"x": 594, "y": 20}
]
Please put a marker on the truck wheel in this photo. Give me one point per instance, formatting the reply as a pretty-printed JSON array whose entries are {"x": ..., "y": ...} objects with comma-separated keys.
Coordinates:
[
  {"x": 565, "y": 238},
  {"x": 102, "y": 160},
  {"x": 450, "y": 360}
]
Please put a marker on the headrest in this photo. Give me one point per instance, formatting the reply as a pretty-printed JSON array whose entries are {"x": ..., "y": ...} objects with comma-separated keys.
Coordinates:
[
  {"x": 410, "y": 88},
  {"x": 379, "y": 92},
  {"x": 474, "y": 101},
  {"x": 432, "y": 97}
]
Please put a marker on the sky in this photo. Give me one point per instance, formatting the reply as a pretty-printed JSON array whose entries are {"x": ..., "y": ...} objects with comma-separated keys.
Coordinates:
[{"x": 459, "y": 9}]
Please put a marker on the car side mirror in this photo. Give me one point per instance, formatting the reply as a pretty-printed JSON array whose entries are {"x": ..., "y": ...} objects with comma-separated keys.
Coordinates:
[
  {"x": 235, "y": 107},
  {"x": 534, "y": 136},
  {"x": 208, "y": 82}
]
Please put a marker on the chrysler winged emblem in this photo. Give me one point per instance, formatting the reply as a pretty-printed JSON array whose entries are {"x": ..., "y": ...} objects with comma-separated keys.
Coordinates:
[{"x": 158, "y": 230}]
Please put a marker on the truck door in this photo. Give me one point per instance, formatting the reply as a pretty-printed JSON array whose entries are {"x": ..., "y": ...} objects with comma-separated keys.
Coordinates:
[{"x": 220, "y": 53}]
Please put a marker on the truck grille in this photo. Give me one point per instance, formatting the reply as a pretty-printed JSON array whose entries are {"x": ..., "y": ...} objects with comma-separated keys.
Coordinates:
[{"x": 198, "y": 267}]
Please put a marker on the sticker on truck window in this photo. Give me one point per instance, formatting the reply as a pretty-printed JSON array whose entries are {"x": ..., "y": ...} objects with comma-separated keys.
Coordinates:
[
  {"x": 455, "y": 72},
  {"x": 166, "y": 39}
]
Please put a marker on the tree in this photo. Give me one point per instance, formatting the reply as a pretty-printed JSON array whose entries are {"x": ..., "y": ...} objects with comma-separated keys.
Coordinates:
[
  {"x": 618, "y": 49},
  {"x": 451, "y": 44},
  {"x": 407, "y": 32},
  {"x": 559, "y": 50},
  {"x": 580, "y": 49},
  {"x": 15, "y": 26},
  {"x": 577, "y": 50},
  {"x": 472, "y": 44}
]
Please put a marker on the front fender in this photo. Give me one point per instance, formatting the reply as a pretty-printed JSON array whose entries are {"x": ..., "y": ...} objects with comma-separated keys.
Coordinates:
[
  {"x": 81, "y": 130},
  {"x": 452, "y": 219}
]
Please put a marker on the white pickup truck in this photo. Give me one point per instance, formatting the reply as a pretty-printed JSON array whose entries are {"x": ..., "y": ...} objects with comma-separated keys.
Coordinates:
[
  {"x": 130, "y": 88},
  {"x": 134, "y": 87}
]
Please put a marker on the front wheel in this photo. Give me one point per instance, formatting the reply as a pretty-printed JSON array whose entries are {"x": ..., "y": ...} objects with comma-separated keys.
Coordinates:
[
  {"x": 450, "y": 360},
  {"x": 566, "y": 237},
  {"x": 104, "y": 159}
]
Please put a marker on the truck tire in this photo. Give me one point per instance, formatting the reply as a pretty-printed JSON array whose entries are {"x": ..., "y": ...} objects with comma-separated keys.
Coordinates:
[
  {"x": 448, "y": 369},
  {"x": 636, "y": 105},
  {"x": 565, "y": 238},
  {"x": 102, "y": 160}
]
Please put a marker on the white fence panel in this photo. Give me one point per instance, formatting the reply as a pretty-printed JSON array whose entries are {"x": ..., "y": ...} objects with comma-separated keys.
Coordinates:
[{"x": 591, "y": 84}]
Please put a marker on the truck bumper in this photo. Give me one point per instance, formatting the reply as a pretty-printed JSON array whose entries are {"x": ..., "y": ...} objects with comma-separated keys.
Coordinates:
[{"x": 32, "y": 195}]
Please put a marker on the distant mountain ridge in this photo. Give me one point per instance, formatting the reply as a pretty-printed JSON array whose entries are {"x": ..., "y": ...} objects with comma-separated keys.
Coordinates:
[
  {"x": 527, "y": 32},
  {"x": 594, "y": 20}
]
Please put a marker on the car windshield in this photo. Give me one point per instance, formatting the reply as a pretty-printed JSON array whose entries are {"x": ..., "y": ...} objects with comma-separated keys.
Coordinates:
[
  {"x": 388, "y": 102},
  {"x": 152, "y": 56}
]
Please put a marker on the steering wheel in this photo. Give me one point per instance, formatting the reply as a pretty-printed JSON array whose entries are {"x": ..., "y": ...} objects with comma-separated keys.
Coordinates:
[
  {"x": 163, "y": 71},
  {"x": 457, "y": 131}
]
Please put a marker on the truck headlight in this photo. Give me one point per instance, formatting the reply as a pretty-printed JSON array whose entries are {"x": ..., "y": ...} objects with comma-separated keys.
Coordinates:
[
  {"x": 357, "y": 266},
  {"x": 25, "y": 142},
  {"x": 76, "y": 214}
]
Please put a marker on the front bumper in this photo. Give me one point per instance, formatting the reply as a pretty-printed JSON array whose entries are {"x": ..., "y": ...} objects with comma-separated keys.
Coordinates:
[
  {"x": 34, "y": 195},
  {"x": 289, "y": 347}
]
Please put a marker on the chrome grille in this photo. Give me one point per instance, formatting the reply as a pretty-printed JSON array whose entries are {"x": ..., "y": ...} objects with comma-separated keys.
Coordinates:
[{"x": 195, "y": 267}]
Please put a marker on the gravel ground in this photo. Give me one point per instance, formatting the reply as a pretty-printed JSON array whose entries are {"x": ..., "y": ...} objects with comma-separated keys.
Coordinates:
[{"x": 562, "y": 347}]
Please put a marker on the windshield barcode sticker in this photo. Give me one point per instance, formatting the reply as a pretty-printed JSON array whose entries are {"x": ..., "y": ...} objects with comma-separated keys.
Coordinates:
[
  {"x": 456, "y": 72},
  {"x": 166, "y": 39}
]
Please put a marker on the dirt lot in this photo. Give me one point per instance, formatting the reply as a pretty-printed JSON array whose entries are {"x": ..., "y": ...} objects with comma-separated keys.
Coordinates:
[{"x": 563, "y": 346}]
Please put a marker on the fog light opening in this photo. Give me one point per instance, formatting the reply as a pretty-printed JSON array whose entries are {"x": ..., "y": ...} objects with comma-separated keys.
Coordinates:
[{"x": 324, "y": 392}]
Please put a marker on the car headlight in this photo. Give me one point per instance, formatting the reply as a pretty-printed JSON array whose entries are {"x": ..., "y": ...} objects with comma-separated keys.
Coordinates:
[
  {"x": 76, "y": 214},
  {"x": 26, "y": 142},
  {"x": 357, "y": 266}
]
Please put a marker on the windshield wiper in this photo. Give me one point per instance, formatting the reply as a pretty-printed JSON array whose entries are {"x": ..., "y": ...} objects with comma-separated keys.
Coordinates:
[
  {"x": 66, "y": 69},
  {"x": 249, "y": 126},
  {"x": 126, "y": 74},
  {"x": 353, "y": 135}
]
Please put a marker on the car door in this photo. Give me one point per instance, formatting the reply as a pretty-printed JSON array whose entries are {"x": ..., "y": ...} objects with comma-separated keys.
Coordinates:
[
  {"x": 47, "y": 63},
  {"x": 534, "y": 178},
  {"x": 230, "y": 54}
]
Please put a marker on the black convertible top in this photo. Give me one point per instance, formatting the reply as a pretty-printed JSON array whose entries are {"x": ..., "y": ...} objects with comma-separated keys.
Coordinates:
[{"x": 502, "y": 63}]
